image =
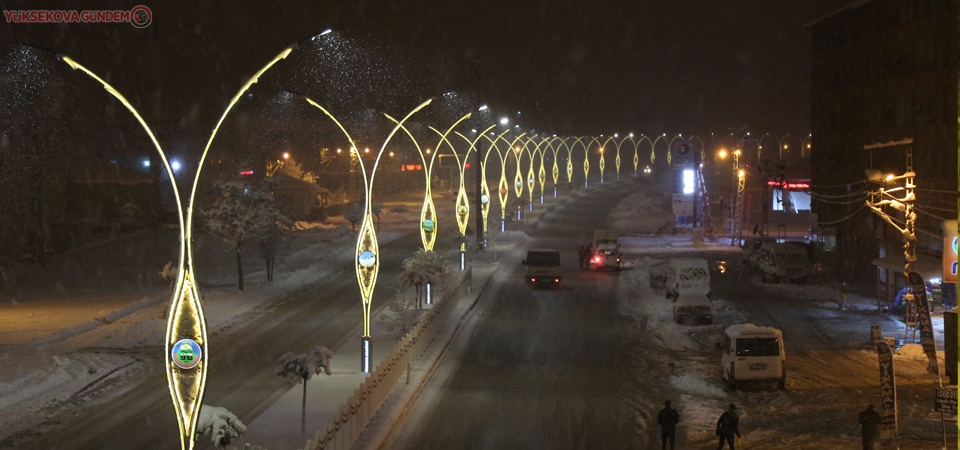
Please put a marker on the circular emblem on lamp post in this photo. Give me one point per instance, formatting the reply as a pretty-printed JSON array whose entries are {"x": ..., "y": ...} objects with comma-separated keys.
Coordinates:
[
  {"x": 530, "y": 180},
  {"x": 462, "y": 210},
  {"x": 367, "y": 259},
  {"x": 484, "y": 198},
  {"x": 503, "y": 191},
  {"x": 955, "y": 245},
  {"x": 186, "y": 353},
  {"x": 519, "y": 183},
  {"x": 428, "y": 225}
]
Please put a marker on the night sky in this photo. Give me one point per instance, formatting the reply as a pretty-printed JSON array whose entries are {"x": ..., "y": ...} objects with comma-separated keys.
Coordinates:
[{"x": 596, "y": 67}]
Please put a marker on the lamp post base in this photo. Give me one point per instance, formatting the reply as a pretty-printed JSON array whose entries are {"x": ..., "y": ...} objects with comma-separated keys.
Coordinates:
[{"x": 366, "y": 354}]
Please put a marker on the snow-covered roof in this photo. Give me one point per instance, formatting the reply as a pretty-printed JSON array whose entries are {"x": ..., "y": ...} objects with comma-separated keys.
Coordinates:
[
  {"x": 742, "y": 329},
  {"x": 856, "y": 4}
]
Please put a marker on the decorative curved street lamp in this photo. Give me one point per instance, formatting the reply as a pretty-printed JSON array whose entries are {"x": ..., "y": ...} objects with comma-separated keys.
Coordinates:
[
  {"x": 462, "y": 208},
  {"x": 367, "y": 260},
  {"x": 484, "y": 189},
  {"x": 603, "y": 163},
  {"x": 586, "y": 156},
  {"x": 653, "y": 146},
  {"x": 185, "y": 322}
]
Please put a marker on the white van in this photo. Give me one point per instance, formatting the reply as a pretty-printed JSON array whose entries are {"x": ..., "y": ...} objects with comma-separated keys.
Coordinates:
[
  {"x": 688, "y": 276},
  {"x": 753, "y": 354}
]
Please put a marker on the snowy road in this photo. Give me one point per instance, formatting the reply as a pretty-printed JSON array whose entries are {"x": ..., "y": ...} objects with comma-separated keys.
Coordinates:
[
  {"x": 589, "y": 366},
  {"x": 541, "y": 369}
]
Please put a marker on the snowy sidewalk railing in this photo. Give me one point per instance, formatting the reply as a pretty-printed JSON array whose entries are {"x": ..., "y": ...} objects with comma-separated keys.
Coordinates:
[{"x": 356, "y": 413}]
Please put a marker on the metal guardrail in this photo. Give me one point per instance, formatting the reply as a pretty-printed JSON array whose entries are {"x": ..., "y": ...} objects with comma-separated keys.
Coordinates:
[{"x": 354, "y": 415}]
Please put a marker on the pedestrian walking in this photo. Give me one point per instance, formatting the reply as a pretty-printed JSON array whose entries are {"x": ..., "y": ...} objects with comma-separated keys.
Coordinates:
[
  {"x": 582, "y": 255},
  {"x": 728, "y": 426},
  {"x": 589, "y": 255},
  {"x": 869, "y": 426},
  {"x": 668, "y": 419}
]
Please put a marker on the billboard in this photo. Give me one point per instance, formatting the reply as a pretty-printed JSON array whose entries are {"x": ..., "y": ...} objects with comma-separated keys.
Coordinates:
[{"x": 950, "y": 251}]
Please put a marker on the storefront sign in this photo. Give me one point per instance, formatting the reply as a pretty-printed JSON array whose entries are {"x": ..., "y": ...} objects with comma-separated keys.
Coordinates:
[
  {"x": 888, "y": 388},
  {"x": 950, "y": 251},
  {"x": 924, "y": 323},
  {"x": 947, "y": 400}
]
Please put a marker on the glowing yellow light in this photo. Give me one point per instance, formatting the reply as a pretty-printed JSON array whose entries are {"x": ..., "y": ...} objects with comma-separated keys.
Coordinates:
[
  {"x": 740, "y": 174},
  {"x": 366, "y": 150},
  {"x": 737, "y": 152},
  {"x": 808, "y": 145},
  {"x": 286, "y": 155},
  {"x": 889, "y": 177},
  {"x": 784, "y": 146},
  {"x": 339, "y": 150},
  {"x": 517, "y": 149},
  {"x": 391, "y": 154},
  {"x": 723, "y": 153}
]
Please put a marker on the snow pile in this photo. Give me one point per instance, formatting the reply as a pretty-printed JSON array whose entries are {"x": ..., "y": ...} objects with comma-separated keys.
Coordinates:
[{"x": 697, "y": 386}]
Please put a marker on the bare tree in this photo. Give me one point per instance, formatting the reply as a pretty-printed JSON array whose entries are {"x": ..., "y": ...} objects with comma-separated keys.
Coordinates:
[{"x": 296, "y": 368}]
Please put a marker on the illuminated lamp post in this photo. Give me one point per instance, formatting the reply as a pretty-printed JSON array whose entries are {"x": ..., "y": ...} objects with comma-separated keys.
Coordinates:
[
  {"x": 603, "y": 163},
  {"x": 569, "y": 160},
  {"x": 462, "y": 206},
  {"x": 805, "y": 145},
  {"x": 428, "y": 214},
  {"x": 653, "y": 146},
  {"x": 586, "y": 156},
  {"x": 542, "y": 173},
  {"x": 484, "y": 191},
  {"x": 367, "y": 260},
  {"x": 555, "y": 170},
  {"x": 517, "y": 179},
  {"x": 186, "y": 370},
  {"x": 531, "y": 180}
]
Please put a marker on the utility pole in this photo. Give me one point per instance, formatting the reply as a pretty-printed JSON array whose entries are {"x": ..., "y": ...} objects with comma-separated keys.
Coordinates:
[
  {"x": 481, "y": 239},
  {"x": 888, "y": 197}
]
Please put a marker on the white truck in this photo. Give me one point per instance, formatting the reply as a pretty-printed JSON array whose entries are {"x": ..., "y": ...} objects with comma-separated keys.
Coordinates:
[
  {"x": 688, "y": 276},
  {"x": 606, "y": 250},
  {"x": 542, "y": 268}
]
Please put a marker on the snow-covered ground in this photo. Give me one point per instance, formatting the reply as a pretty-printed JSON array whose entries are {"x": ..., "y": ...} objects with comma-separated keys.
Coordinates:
[{"x": 59, "y": 339}]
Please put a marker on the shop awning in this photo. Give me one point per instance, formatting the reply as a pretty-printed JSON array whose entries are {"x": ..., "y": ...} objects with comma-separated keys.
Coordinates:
[{"x": 927, "y": 266}]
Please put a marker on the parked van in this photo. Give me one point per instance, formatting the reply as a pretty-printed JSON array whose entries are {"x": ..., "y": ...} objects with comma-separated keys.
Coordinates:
[
  {"x": 753, "y": 354},
  {"x": 693, "y": 309},
  {"x": 783, "y": 261},
  {"x": 543, "y": 268},
  {"x": 688, "y": 276}
]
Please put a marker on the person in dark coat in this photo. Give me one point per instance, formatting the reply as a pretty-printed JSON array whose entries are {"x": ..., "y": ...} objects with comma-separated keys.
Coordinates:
[
  {"x": 582, "y": 255},
  {"x": 869, "y": 426},
  {"x": 668, "y": 419},
  {"x": 728, "y": 426},
  {"x": 589, "y": 255}
]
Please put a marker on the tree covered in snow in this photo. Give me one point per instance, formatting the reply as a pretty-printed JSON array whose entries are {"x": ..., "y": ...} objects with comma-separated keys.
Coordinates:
[
  {"x": 244, "y": 209},
  {"x": 422, "y": 268},
  {"x": 296, "y": 368},
  {"x": 354, "y": 215},
  {"x": 220, "y": 424},
  {"x": 402, "y": 313}
]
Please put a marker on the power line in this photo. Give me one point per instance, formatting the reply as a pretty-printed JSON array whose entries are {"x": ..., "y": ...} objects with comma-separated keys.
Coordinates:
[
  {"x": 929, "y": 214},
  {"x": 860, "y": 192},
  {"x": 937, "y": 190},
  {"x": 940, "y": 209},
  {"x": 845, "y": 218},
  {"x": 838, "y": 185},
  {"x": 848, "y": 202}
]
